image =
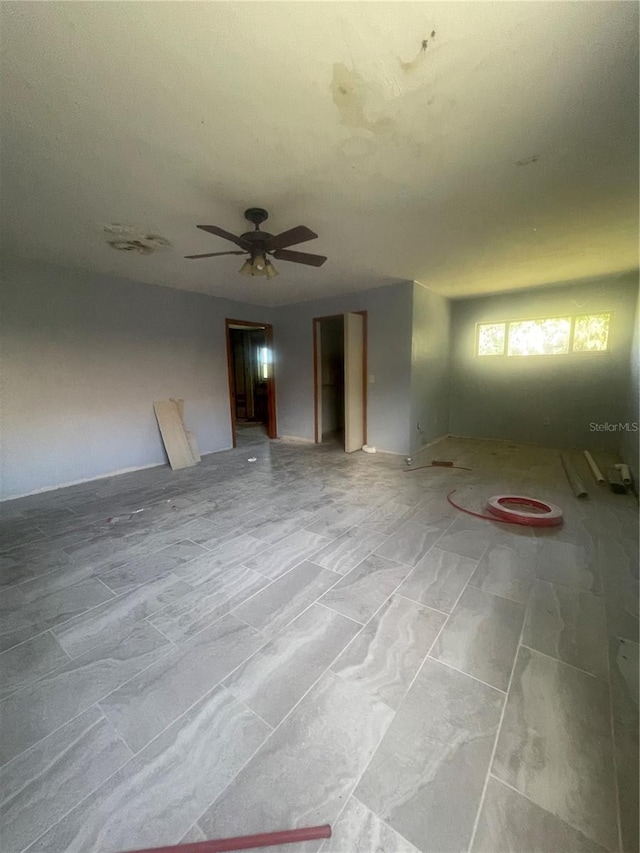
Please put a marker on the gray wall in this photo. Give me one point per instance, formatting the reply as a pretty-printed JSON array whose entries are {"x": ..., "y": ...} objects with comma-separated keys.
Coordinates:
[
  {"x": 509, "y": 398},
  {"x": 630, "y": 439},
  {"x": 389, "y": 360},
  {"x": 83, "y": 359},
  {"x": 430, "y": 367}
]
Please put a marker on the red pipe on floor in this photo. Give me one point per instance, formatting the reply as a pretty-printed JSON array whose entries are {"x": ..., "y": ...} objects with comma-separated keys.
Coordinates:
[{"x": 246, "y": 842}]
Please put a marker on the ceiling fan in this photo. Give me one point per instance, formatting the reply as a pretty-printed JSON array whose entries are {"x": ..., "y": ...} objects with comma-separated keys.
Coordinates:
[{"x": 258, "y": 244}]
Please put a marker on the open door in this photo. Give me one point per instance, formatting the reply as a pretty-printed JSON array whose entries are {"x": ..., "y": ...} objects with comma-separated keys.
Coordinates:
[
  {"x": 317, "y": 379},
  {"x": 252, "y": 394},
  {"x": 354, "y": 387}
]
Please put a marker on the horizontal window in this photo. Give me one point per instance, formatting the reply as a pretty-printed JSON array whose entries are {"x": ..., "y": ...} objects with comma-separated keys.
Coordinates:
[{"x": 548, "y": 336}]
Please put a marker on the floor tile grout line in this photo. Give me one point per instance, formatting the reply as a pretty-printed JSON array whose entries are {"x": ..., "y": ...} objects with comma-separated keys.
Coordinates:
[
  {"x": 616, "y": 780},
  {"x": 537, "y": 805},
  {"x": 421, "y": 603},
  {"x": 498, "y": 729},
  {"x": 563, "y": 662},
  {"x": 170, "y": 648},
  {"x": 133, "y": 756},
  {"x": 270, "y": 727},
  {"x": 468, "y": 674},
  {"x": 399, "y": 705},
  {"x": 274, "y": 730}
]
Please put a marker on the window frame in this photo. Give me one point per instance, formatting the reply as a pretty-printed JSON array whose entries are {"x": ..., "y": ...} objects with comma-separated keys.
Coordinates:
[{"x": 571, "y": 352}]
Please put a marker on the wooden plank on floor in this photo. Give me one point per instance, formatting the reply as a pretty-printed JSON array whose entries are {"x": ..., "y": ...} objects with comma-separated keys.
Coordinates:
[{"x": 173, "y": 434}]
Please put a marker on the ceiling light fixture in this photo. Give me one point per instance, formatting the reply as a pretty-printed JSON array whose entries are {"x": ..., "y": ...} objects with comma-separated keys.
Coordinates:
[
  {"x": 271, "y": 271},
  {"x": 259, "y": 266}
]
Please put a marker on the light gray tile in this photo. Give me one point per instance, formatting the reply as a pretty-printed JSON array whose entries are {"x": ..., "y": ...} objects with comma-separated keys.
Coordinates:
[
  {"x": 13, "y": 612},
  {"x": 442, "y": 734},
  {"x": 170, "y": 782},
  {"x": 56, "y": 581},
  {"x": 387, "y": 518},
  {"x": 508, "y": 821},
  {"x": 116, "y": 617},
  {"x": 274, "y": 531},
  {"x": 468, "y": 537},
  {"x": 22, "y": 619},
  {"x": 32, "y": 713},
  {"x": 481, "y": 636},
  {"x": 156, "y": 565},
  {"x": 29, "y": 661},
  {"x": 410, "y": 542},
  {"x": 438, "y": 579},
  {"x": 334, "y": 520},
  {"x": 304, "y": 773},
  {"x": 148, "y": 703},
  {"x": 359, "y": 831},
  {"x": 62, "y": 605},
  {"x": 277, "y": 676},
  {"x": 345, "y": 552},
  {"x": 225, "y": 556},
  {"x": 279, "y": 603},
  {"x": 360, "y": 593},
  {"x": 568, "y": 624},
  {"x": 47, "y": 781},
  {"x": 22, "y": 564},
  {"x": 625, "y": 667},
  {"x": 555, "y": 744},
  {"x": 567, "y": 564},
  {"x": 390, "y": 649},
  {"x": 208, "y": 602},
  {"x": 193, "y": 836},
  {"x": 275, "y": 560},
  {"x": 508, "y": 570}
]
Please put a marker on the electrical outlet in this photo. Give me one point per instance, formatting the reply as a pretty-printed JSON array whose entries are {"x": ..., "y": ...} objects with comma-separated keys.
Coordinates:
[{"x": 372, "y": 379}]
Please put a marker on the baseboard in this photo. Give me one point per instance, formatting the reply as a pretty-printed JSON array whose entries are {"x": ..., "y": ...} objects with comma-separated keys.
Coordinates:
[
  {"x": 431, "y": 444},
  {"x": 296, "y": 439},
  {"x": 84, "y": 480}
]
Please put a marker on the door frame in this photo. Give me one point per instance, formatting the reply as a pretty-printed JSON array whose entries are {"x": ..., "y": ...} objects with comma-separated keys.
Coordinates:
[
  {"x": 316, "y": 390},
  {"x": 272, "y": 428}
]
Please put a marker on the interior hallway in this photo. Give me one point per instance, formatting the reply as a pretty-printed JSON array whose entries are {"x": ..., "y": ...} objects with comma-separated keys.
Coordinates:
[{"x": 319, "y": 637}]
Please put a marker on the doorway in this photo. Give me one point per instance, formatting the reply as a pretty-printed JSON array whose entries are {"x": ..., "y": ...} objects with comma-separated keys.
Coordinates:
[
  {"x": 251, "y": 379},
  {"x": 340, "y": 369}
]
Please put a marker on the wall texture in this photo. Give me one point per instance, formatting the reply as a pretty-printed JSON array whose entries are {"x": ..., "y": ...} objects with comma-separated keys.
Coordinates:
[
  {"x": 430, "y": 367},
  {"x": 389, "y": 361},
  {"x": 549, "y": 400},
  {"x": 83, "y": 359}
]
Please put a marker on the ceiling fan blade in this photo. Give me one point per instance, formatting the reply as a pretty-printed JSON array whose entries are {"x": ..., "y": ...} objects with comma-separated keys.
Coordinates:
[
  {"x": 214, "y": 254},
  {"x": 300, "y": 257},
  {"x": 220, "y": 232},
  {"x": 299, "y": 234}
]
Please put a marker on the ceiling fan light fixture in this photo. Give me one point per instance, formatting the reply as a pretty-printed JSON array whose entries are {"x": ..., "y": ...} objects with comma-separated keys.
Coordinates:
[
  {"x": 259, "y": 264},
  {"x": 271, "y": 271},
  {"x": 246, "y": 268}
]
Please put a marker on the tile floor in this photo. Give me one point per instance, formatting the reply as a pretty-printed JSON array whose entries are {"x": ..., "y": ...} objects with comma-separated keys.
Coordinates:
[{"x": 316, "y": 637}]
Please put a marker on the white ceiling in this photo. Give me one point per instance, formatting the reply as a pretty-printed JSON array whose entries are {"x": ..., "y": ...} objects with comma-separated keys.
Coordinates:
[{"x": 404, "y": 161}]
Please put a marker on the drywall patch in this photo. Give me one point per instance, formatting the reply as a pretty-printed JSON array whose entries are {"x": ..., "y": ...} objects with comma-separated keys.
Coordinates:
[{"x": 130, "y": 238}]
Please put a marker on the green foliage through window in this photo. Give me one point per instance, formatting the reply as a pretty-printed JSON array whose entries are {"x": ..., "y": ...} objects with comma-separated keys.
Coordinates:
[
  {"x": 591, "y": 333},
  {"x": 549, "y": 336},
  {"x": 491, "y": 339}
]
